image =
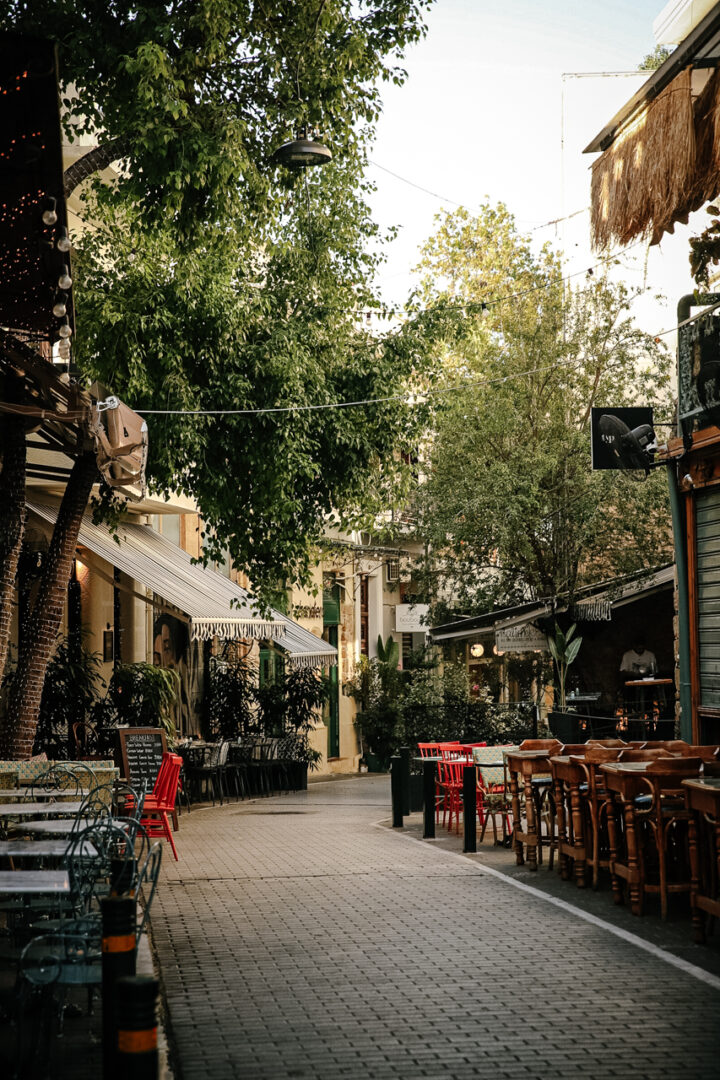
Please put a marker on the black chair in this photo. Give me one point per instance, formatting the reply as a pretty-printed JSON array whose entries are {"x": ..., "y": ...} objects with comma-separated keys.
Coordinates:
[{"x": 209, "y": 772}]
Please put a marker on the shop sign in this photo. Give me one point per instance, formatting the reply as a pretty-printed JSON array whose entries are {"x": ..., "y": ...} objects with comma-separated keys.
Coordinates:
[
  {"x": 522, "y": 638},
  {"x": 411, "y": 618}
]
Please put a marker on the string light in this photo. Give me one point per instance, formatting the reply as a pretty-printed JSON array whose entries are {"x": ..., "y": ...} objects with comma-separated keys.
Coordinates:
[
  {"x": 65, "y": 330},
  {"x": 63, "y": 240},
  {"x": 64, "y": 281},
  {"x": 60, "y": 305},
  {"x": 50, "y": 213}
]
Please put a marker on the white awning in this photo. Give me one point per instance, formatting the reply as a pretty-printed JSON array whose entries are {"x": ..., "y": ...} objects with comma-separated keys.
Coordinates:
[
  {"x": 305, "y": 649},
  {"x": 214, "y": 605}
]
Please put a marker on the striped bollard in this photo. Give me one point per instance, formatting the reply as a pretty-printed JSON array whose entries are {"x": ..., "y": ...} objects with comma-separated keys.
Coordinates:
[
  {"x": 119, "y": 954},
  {"x": 137, "y": 1053}
]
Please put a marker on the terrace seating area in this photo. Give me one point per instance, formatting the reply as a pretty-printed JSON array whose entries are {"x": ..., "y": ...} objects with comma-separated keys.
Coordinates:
[
  {"x": 251, "y": 768},
  {"x": 72, "y": 840},
  {"x": 636, "y": 819}
]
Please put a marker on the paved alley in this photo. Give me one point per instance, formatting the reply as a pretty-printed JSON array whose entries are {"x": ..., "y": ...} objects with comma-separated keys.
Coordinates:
[{"x": 298, "y": 936}]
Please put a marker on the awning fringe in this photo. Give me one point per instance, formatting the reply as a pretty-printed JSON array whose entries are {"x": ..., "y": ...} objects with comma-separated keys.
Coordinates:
[
  {"x": 231, "y": 629},
  {"x": 307, "y": 660}
]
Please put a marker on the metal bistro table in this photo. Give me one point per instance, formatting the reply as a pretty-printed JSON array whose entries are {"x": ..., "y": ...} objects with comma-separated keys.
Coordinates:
[
  {"x": 39, "y": 809},
  {"x": 702, "y": 798},
  {"x": 28, "y": 883},
  {"x": 22, "y": 850}
]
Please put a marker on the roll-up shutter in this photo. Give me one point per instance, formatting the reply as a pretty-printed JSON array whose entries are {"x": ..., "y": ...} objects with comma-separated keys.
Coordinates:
[{"x": 708, "y": 595}]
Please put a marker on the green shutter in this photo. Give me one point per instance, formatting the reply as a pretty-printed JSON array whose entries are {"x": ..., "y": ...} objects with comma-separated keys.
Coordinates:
[
  {"x": 708, "y": 595},
  {"x": 331, "y": 606}
]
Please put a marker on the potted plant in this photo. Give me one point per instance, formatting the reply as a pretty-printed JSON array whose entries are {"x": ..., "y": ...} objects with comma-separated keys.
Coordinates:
[{"x": 564, "y": 648}]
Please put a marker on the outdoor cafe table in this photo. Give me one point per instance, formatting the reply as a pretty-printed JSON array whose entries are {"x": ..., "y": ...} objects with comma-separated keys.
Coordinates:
[
  {"x": 624, "y": 782},
  {"x": 38, "y": 849},
  {"x": 22, "y": 883},
  {"x": 702, "y": 798},
  {"x": 39, "y": 809},
  {"x": 527, "y": 764}
]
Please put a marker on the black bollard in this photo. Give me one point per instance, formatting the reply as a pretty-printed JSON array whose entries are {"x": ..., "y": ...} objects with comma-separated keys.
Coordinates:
[
  {"x": 429, "y": 777},
  {"x": 405, "y": 757},
  {"x": 137, "y": 1054},
  {"x": 119, "y": 953},
  {"x": 470, "y": 807},
  {"x": 122, "y": 875},
  {"x": 396, "y": 791}
]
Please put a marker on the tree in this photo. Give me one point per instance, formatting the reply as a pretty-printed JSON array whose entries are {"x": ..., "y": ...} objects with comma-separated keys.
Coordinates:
[
  {"x": 655, "y": 59},
  {"x": 195, "y": 95},
  {"x": 510, "y": 509},
  {"x": 275, "y": 333},
  {"x": 193, "y": 98}
]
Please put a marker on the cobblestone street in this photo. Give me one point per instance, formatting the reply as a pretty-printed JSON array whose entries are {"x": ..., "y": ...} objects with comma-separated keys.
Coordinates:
[{"x": 298, "y": 936}]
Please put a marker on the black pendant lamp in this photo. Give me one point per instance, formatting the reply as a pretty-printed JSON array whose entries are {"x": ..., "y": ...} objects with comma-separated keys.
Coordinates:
[{"x": 302, "y": 152}]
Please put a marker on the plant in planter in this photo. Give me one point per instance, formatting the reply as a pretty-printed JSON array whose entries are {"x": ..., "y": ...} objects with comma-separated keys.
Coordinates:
[
  {"x": 289, "y": 707},
  {"x": 70, "y": 692},
  {"x": 230, "y": 700},
  {"x": 140, "y": 695},
  {"x": 563, "y": 649},
  {"x": 377, "y": 687}
]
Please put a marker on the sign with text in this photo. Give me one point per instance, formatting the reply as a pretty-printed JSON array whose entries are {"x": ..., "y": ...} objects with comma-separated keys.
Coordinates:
[
  {"x": 142, "y": 750},
  {"x": 522, "y": 638},
  {"x": 411, "y": 618}
]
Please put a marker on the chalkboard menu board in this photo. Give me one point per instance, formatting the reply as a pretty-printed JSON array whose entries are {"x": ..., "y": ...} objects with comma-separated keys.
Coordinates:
[{"x": 142, "y": 749}]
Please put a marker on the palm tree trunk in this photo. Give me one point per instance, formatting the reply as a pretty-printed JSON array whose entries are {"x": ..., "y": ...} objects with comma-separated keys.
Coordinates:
[
  {"x": 40, "y": 634},
  {"x": 12, "y": 521}
]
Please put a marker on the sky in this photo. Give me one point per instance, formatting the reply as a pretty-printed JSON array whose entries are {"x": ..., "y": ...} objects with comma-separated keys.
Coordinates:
[{"x": 499, "y": 103}]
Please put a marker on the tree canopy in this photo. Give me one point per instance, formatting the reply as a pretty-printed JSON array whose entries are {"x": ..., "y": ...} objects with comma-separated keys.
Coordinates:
[
  {"x": 210, "y": 278},
  {"x": 510, "y": 509},
  {"x": 277, "y": 332},
  {"x": 198, "y": 93}
]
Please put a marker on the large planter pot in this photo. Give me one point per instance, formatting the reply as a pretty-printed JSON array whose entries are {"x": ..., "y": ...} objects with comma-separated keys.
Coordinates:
[
  {"x": 571, "y": 727},
  {"x": 374, "y": 763}
]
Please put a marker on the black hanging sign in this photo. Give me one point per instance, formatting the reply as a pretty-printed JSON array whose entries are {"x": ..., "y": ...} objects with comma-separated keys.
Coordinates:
[{"x": 602, "y": 456}]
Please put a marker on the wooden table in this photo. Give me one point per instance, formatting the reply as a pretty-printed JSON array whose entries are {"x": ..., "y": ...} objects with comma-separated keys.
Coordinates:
[
  {"x": 625, "y": 781},
  {"x": 642, "y": 685},
  {"x": 702, "y": 798},
  {"x": 527, "y": 764}
]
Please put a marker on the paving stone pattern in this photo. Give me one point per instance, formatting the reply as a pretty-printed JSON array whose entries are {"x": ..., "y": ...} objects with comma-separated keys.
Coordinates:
[{"x": 298, "y": 938}]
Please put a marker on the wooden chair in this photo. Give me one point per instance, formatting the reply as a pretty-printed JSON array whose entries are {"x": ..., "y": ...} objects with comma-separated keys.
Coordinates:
[
  {"x": 159, "y": 807},
  {"x": 650, "y": 853}
]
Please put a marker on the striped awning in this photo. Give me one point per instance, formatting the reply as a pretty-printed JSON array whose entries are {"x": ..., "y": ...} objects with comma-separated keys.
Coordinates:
[
  {"x": 305, "y": 649},
  {"x": 214, "y": 605}
]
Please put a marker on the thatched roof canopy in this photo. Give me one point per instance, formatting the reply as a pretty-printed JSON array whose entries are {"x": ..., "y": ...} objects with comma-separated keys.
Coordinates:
[{"x": 661, "y": 155}]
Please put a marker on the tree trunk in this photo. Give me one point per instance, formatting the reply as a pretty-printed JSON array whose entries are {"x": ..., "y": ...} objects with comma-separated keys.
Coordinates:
[
  {"x": 40, "y": 635},
  {"x": 12, "y": 522}
]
